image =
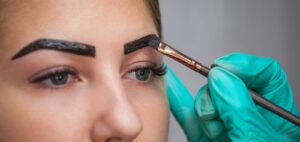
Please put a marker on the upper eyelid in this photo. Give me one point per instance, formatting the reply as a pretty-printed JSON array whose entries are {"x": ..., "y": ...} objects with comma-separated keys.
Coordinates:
[
  {"x": 47, "y": 76},
  {"x": 153, "y": 66},
  {"x": 138, "y": 63},
  {"x": 51, "y": 70}
]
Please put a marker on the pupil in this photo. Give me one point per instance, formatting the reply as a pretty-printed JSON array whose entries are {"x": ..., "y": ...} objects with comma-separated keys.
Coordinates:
[
  {"x": 142, "y": 74},
  {"x": 59, "y": 79}
]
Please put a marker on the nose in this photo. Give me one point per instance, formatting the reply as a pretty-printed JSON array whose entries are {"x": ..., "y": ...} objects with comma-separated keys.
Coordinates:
[{"x": 119, "y": 122}]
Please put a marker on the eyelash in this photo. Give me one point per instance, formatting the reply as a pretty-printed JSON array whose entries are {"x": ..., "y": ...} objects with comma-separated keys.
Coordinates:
[
  {"x": 145, "y": 73},
  {"x": 72, "y": 75},
  {"x": 159, "y": 71},
  {"x": 69, "y": 72},
  {"x": 51, "y": 74}
]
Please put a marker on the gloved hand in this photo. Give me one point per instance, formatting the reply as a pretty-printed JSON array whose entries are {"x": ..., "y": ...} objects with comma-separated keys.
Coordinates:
[{"x": 224, "y": 110}]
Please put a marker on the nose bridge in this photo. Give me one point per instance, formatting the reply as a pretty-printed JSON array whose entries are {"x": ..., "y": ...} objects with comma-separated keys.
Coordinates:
[{"x": 120, "y": 121}]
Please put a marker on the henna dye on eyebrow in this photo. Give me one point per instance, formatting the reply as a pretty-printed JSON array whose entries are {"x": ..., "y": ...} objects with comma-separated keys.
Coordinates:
[{"x": 58, "y": 45}]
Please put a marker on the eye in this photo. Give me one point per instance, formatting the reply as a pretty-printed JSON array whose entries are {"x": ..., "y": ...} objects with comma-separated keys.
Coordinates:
[
  {"x": 56, "y": 78},
  {"x": 140, "y": 74},
  {"x": 145, "y": 73}
]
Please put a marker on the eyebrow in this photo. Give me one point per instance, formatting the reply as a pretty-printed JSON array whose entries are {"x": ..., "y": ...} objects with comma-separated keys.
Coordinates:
[
  {"x": 58, "y": 45},
  {"x": 149, "y": 40}
]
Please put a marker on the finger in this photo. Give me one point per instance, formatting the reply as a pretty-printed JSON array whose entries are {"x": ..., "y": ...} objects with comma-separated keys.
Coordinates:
[
  {"x": 267, "y": 78},
  {"x": 204, "y": 107},
  {"x": 236, "y": 108},
  {"x": 182, "y": 106},
  {"x": 261, "y": 74}
]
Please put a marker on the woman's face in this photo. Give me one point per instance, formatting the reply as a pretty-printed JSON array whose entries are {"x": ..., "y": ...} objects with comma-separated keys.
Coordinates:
[{"x": 56, "y": 93}]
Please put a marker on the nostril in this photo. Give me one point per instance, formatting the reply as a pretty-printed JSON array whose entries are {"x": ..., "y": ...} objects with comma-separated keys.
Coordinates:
[{"x": 114, "y": 139}]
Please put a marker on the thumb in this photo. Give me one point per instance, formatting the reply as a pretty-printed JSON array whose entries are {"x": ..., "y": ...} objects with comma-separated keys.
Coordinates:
[{"x": 236, "y": 108}]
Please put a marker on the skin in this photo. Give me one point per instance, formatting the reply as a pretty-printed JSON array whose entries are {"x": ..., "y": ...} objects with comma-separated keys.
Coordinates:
[{"x": 103, "y": 103}]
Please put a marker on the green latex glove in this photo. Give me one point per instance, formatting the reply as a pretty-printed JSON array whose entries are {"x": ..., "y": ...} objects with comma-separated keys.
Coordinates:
[{"x": 224, "y": 110}]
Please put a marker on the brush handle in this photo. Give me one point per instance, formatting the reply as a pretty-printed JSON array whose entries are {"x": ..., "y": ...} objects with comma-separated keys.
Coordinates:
[{"x": 196, "y": 66}]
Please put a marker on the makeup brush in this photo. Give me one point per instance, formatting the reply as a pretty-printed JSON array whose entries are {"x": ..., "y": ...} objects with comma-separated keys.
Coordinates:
[{"x": 154, "y": 42}]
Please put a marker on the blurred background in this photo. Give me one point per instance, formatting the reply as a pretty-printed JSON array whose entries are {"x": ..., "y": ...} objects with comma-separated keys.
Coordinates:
[{"x": 205, "y": 30}]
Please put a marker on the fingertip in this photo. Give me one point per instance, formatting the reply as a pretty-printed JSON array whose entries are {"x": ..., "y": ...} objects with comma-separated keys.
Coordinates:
[
  {"x": 218, "y": 74},
  {"x": 213, "y": 128},
  {"x": 229, "y": 58},
  {"x": 227, "y": 91},
  {"x": 222, "y": 77},
  {"x": 204, "y": 106},
  {"x": 206, "y": 111}
]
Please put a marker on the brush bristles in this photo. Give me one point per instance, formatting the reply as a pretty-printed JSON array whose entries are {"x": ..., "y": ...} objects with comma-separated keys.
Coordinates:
[{"x": 147, "y": 41}]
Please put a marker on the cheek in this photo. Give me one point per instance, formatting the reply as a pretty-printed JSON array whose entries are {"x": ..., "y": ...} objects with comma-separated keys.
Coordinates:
[
  {"x": 151, "y": 104},
  {"x": 29, "y": 117}
]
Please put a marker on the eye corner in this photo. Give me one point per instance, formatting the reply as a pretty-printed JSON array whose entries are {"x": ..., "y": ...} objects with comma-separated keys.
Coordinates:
[{"x": 161, "y": 70}]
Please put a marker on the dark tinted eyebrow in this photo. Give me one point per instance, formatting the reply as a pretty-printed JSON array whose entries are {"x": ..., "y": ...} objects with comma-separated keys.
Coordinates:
[
  {"x": 58, "y": 45},
  {"x": 150, "y": 40}
]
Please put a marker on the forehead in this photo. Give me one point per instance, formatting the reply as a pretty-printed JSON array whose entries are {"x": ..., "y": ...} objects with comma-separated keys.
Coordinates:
[
  {"x": 87, "y": 21},
  {"x": 38, "y": 7}
]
